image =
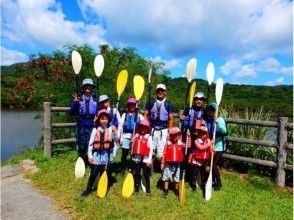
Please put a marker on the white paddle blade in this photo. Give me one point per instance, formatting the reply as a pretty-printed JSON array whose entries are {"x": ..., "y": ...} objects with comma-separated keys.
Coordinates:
[
  {"x": 76, "y": 61},
  {"x": 98, "y": 65},
  {"x": 210, "y": 72},
  {"x": 190, "y": 69},
  {"x": 80, "y": 168},
  {"x": 149, "y": 74},
  {"x": 208, "y": 187},
  {"x": 219, "y": 90}
]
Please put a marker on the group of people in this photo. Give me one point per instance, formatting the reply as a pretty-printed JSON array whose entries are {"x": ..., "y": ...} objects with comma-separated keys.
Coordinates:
[{"x": 150, "y": 138}]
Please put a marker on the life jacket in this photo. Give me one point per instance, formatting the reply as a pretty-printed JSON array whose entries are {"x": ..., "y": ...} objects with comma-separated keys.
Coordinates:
[
  {"x": 88, "y": 105},
  {"x": 203, "y": 151},
  {"x": 159, "y": 113},
  {"x": 102, "y": 140},
  {"x": 129, "y": 122},
  {"x": 174, "y": 152},
  {"x": 140, "y": 146},
  {"x": 114, "y": 120},
  {"x": 193, "y": 119}
]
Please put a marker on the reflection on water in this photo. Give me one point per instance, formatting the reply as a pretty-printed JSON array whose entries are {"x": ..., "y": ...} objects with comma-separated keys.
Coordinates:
[{"x": 19, "y": 129}]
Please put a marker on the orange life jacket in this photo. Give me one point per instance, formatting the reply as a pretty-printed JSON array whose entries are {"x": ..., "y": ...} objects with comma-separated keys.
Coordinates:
[
  {"x": 140, "y": 146},
  {"x": 174, "y": 152},
  {"x": 203, "y": 149},
  {"x": 102, "y": 140}
]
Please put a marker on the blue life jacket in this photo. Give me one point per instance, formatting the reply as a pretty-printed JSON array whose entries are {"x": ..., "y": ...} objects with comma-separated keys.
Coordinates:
[
  {"x": 159, "y": 113},
  {"x": 114, "y": 120},
  {"x": 196, "y": 113},
  {"x": 129, "y": 122},
  {"x": 88, "y": 106}
]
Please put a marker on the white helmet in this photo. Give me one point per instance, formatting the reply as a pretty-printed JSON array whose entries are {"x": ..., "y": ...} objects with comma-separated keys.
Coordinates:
[{"x": 199, "y": 95}]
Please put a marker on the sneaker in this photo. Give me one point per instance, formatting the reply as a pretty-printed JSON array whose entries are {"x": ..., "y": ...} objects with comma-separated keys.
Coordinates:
[
  {"x": 164, "y": 194},
  {"x": 136, "y": 192},
  {"x": 176, "y": 193},
  {"x": 86, "y": 193},
  {"x": 217, "y": 187},
  {"x": 193, "y": 188},
  {"x": 148, "y": 193}
]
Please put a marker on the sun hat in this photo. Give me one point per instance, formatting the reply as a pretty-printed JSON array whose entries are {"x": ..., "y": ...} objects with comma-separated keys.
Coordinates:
[
  {"x": 102, "y": 98},
  {"x": 144, "y": 123},
  {"x": 161, "y": 86}
]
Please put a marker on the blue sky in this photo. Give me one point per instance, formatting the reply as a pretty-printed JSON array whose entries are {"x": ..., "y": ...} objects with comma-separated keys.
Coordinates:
[{"x": 249, "y": 41}]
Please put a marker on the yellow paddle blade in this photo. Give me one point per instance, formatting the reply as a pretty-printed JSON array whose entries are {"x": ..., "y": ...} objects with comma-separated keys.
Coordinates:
[
  {"x": 139, "y": 86},
  {"x": 76, "y": 61},
  {"x": 192, "y": 93},
  {"x": 121, "y": 82},
  {"x": 182, "y": 192},
  {"x": 102, "y": 185},
  {"x": 128, "y": 186}
]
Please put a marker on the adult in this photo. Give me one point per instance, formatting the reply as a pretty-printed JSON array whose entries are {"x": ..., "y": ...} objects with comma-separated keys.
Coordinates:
[
  {"x": 218, "y": 144},
  {"x": 84, "y": 105},
  {"x": 160, "y": 113}
]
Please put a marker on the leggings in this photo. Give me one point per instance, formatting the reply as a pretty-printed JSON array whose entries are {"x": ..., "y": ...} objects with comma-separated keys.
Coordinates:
[
  {"x": 215, "y": 171},
  {"x": 95, "y": 170},
  {"x": 137, "y": 175},
  {"x": 124, "y": 156}
]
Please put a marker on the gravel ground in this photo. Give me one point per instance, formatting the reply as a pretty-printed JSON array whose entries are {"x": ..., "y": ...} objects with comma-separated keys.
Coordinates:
[{"x": 19, "y": 199}]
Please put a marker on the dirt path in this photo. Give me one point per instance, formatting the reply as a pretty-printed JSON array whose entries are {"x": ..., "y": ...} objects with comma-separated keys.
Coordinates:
[{"x": 19, "y": 200}]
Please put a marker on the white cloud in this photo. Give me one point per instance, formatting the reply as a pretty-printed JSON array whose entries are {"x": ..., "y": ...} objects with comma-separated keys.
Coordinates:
[
  {"x": 9, "y": 57},
  {"x": 38, "y": 23},
  {"x": 169, "y": 64},
  {"x": 241, "y": 68},
  {"x": 278, "y": 81}
]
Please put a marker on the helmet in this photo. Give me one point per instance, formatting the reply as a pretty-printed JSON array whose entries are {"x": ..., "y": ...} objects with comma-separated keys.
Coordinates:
[
  {"x": 88, "y": 81},
  {"x": 102, "y": 98}
]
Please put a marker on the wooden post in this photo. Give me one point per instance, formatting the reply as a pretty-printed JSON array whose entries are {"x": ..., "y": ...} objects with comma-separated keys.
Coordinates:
[
  {"x": 282, "y": 152},
  {"x": 47, "y": 129}
]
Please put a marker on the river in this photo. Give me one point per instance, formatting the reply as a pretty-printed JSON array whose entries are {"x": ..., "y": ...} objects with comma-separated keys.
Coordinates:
[{"x": 19, "y": 129}]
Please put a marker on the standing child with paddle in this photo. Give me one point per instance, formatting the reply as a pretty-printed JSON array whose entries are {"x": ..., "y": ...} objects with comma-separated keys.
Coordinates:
[
  {"x": 127, "y": 125},
  {"x": 100, "y": 152},
  {"x": 85, "y": 106},
  {"x": 142, "y": 155},
  {"x": 219, "y": 142},
  {"x": 200, "y": 155},
  {"x": 173, "y": 156}
]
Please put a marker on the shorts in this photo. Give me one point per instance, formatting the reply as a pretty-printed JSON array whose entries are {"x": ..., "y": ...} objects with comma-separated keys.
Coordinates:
[{"x": 171, "y": 173}]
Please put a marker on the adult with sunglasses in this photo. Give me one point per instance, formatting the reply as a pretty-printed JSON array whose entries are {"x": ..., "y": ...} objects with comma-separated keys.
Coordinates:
[{"x": 192, "y": 120}]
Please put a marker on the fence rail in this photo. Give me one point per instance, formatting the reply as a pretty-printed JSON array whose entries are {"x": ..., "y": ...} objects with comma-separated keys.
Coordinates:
[{"x": 281, "y": 144}]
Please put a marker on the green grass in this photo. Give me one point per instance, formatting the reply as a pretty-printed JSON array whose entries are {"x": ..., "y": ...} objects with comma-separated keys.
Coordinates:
[{"x": 250, "y": 198}]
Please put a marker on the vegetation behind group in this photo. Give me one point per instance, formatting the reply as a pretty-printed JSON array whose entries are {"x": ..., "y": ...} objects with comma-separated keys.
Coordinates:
[{"x": 51, "y": 78}]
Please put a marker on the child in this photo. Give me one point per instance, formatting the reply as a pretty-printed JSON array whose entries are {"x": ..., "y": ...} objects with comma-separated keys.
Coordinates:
[
  {"x": 100, "y": 150},
  {"x": 200, "y": 154},
  {"x": 142, "y": 155},
  {"x": 127, "y": 126},
  {"x": 173, "y": 156}
]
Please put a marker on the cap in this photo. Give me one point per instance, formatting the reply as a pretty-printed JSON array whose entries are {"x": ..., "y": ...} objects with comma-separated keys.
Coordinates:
[
  {"x": 88, "y": 81},
  {"x": 212, "y": 106},
  {"x": 103, "y": 98},
  {"x": 132, "y": 100},
  {"x": 199, "y": 95},
  {"x": 161, "y": 86}
]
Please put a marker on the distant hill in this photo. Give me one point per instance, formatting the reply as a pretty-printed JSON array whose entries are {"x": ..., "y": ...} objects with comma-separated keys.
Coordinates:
[{"x": 28, "y": 85}]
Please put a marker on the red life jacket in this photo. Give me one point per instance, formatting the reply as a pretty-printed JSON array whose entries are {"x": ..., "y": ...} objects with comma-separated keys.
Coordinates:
[
  {"x": 102, "y": 141},
  {"x": 203, "y": 149},
  {"x": 174, "y": 152},
  {"x": 140, "y": 146}
]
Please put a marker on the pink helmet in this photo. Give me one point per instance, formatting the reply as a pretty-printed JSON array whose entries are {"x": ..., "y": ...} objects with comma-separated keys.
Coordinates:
[{"x": 132, "y": 100}]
